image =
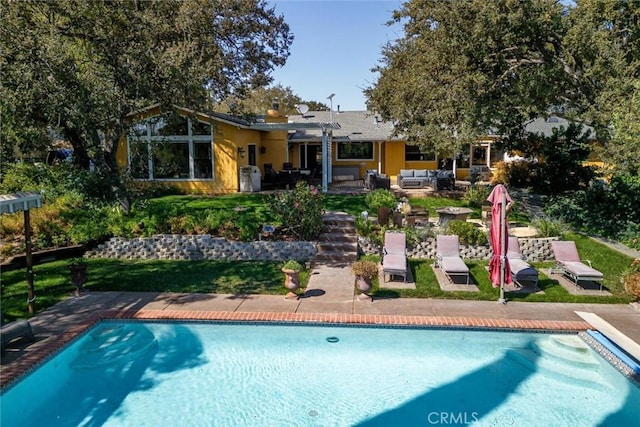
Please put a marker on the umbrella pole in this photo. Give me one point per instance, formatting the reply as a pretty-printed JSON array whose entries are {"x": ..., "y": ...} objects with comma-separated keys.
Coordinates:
[
  {"x": 29, "y": 258},
  {"x": 503, "y": 218}
]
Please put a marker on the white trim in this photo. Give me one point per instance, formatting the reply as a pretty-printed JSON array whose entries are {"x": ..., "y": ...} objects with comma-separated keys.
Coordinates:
[{"x": 188, "y": 139}]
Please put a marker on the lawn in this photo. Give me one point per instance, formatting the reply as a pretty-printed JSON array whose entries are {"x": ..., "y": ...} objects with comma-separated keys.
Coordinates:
[
  {"x": 427, "y": 285},
  {"x": 52, "y": 280},
  {"x": 259, "y": 277}
]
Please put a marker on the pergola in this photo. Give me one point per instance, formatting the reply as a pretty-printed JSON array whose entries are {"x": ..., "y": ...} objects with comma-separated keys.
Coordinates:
[{"x": 24, "y": 201}]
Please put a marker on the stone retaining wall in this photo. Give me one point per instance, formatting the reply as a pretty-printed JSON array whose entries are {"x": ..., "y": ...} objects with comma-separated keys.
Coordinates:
[
  {"x": 533, "y": 250},
  {"x": 199, "y": 247}
]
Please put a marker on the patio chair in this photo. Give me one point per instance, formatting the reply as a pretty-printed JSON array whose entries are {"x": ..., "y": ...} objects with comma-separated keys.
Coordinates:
[
  {"x": 394, "y": 256},
  {"x": 448, "y": 257},
  {"x": 568, "y": 262},
  {"x": 521, "y": 271}
]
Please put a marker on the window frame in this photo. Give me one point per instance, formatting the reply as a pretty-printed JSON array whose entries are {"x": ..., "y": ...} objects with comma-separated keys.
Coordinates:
[
  {"x": 135, "y": 137},
  {"x": 347, "y": 159}
]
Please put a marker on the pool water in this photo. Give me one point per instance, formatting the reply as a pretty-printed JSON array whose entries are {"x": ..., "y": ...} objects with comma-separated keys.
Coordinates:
[{"x": 191, "y": 374}]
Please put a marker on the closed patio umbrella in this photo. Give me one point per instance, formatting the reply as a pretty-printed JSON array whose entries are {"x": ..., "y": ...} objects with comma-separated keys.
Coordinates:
[{"x": 499, "y": 271}]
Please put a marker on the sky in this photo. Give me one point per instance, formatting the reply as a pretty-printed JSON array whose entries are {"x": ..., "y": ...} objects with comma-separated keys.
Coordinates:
[{"x": 335, "y": 46}]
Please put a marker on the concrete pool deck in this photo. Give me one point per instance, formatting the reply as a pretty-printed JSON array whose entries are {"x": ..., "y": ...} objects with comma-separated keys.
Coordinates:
[{"x": 329, "y": 298}]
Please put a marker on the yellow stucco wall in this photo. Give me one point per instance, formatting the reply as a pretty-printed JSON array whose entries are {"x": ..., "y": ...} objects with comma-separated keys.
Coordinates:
[
  {"x": 394, "y": 158},
  {"x": 227, "y": 139}
]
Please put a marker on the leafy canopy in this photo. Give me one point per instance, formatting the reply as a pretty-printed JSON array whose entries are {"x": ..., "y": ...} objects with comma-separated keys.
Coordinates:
[
  {"x": 467, "y": 68},
  {"x": 79, "y": 69}
]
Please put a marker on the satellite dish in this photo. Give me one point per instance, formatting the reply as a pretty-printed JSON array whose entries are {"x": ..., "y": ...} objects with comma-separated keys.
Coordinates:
[{"x": 302, "y": 108}]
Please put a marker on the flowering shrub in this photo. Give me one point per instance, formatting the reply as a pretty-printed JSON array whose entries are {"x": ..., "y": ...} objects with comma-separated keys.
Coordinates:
[{"x": 300, "y": 210}]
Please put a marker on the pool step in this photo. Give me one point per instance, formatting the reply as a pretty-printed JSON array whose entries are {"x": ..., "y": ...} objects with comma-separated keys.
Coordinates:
[
  {"x": 567, "y": 348},
  {"x": 113, "y": 344},
  {"x": 565, "y": 358}
]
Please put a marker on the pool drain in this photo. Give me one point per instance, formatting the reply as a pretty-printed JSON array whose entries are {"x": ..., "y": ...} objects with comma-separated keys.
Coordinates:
[
  {"x": 313, "y": 413},
  {"x": 333, "y": 339}
]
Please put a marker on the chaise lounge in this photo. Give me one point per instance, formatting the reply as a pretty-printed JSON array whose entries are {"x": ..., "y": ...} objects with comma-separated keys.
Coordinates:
[
  {"x": 521, "y": 271},
  {"x": 448, "y": 257},
  {"x": 568, "y": 262},
  {"x": 394, "y": 255}
]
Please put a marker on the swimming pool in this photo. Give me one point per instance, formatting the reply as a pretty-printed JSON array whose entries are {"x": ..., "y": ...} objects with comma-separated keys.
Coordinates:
[{"x": 193, "y": 374}]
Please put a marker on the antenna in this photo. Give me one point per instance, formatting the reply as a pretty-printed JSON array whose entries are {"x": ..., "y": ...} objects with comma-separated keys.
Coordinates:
[{"x": 302, "y": 108}]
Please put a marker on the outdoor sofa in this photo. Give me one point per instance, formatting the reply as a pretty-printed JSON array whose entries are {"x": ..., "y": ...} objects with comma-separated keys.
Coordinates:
[{"x": 421, "y": 178}]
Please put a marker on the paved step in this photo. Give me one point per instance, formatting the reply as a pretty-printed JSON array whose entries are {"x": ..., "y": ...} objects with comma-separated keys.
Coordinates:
[
  {"x": 337, "y": 237},
  {"x": 337, "y": 246},
  {"x": 345, "y": 229},
  {"x": 338, "y": 256}
]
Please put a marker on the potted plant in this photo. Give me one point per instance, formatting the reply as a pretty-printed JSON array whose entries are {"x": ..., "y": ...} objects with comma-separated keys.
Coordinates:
[
  {"x": 364, "y": 271},
  {"x": 291, "y": 270},
  {"x": 631, "y": 279},
  {"x": 381, "y": 201},
  {"x": 78, "y": 269}
]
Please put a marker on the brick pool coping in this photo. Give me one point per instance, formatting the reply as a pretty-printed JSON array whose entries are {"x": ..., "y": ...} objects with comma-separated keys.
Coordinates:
[{"x": 14, "y": 371}]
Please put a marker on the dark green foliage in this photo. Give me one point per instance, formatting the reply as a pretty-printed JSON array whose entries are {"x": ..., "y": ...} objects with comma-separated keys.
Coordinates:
[
  {"x": 606, "y": 210},
  {"x": 80, "y": 69},
  {"x": 561, "y": 158}
]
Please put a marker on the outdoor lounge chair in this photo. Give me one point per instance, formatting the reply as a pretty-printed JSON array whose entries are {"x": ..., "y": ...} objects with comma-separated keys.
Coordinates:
[
  {"x": 395, "y": 243},
  {"x": 521, "y": 271},
  {"x": 394, "y": 255},
  {"x": 568, "y": 262},
  {"x": 448, "y": 257}
]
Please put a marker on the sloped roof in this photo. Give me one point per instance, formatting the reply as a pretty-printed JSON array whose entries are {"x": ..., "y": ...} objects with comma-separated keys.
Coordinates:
[
  {"x": 354, "y": 126},
  {"x": 546, "y": 126}
]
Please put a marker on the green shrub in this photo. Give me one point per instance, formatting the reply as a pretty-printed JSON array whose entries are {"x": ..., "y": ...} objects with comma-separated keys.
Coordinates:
[
  {"x": 364, "y": 227},
  {"x": 476, "y": 195},
  {"x": 380, "y": 198},
  {"x": 50, "y": 181},
  {"x": 550, "y": 227},
  {"x": 292, "y": 264},
  {"x": 467, "y": 232},
  {"x": 299, "y": 210},
  {"x": 599, "y": 209},
  {"x": 630, "y": 236},
  {"x": 416, "y": 235}
]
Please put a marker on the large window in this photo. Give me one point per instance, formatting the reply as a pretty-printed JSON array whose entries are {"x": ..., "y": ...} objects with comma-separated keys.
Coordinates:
[
  {"x": 171, "y": 147},
  {"x": 416, "y": 152},
  {"x": 355, "y": 150}
]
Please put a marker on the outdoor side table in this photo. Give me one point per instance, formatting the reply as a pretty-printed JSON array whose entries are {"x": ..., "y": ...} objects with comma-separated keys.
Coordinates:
[{"x": 450, "y": 213}]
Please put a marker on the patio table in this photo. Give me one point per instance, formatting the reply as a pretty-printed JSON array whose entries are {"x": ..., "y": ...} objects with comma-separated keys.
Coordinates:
[{"x": 451, "y": 213}]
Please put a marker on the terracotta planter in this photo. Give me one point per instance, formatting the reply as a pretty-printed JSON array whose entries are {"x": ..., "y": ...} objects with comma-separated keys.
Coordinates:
[
  {"x": 383, "y": 216},
  {"x": 291, "y": 282},
  {"x": 397, "y": 219},
  {"x": 78, "y": 276},
  {"x": 363, "y": 285}
]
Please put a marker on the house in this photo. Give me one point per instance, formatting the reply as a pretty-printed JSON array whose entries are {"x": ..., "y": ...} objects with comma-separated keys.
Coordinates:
[{"x": 204, "y": 152}]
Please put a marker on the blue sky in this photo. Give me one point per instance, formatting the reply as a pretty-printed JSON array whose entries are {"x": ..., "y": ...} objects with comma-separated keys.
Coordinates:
[{"x": 336, "y": 44}]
